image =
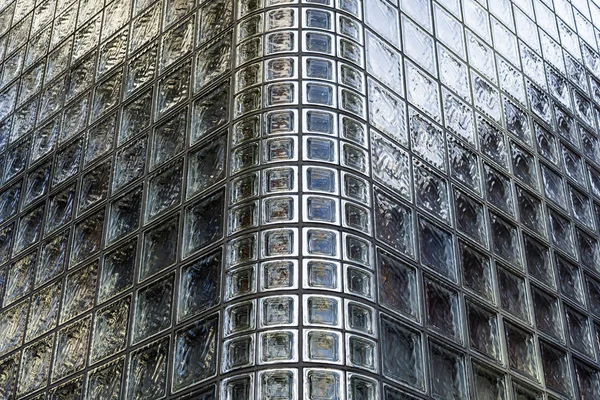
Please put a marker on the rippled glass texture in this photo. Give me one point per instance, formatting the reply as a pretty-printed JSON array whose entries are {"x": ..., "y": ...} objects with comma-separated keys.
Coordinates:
[{"x": 300, "y": 199}]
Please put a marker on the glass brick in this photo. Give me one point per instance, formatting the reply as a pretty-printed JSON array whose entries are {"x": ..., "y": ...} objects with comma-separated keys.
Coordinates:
[
  {"x": 477, "y": 272},
  {"x": 513, "y": 294},
  {"x": 394, "y": 223},
  {"x": 579, "y": 332},
  {"x": 448, "y": 370},
  {"x": 130, "y": 164},
  {"x": 548, "y": 316},
  {"x": 124, "y": 215},
  {"x": 105, "y": 382},
  {"x": 418, "y": 45},
  {"x": 484, "y": 331},
  {"x": 277, "y": 383},
  {"x": 199, "y": 287},
  {"x": 437, "y": 249},
  {"x": 200, "y": 227},
  {"x": 387, "y": 113},
  {"x": 238, "y": 353},
  {"x": 240, "y": 318},
  {"x": 35, "y": 366},
  {"x": 322, "y": 346},
  {"x": 148, "y": 371},
  {"x": 135, "y": 117},
  {"x": 195, "y": 352},
  {"x": 443, "y": 310},
  {"x": 71, "y": 348},
  {"x": 277, "y": 346},
  {"x": 278, "y": 311},
  {"x": 109, "y": 333},
  {"x": 278, "y": 275},
  {"x": 173, "y": 89},
  {"x": 152, "y": 312},
  {"x": 531, "y": 212},
  {"x": 470, "y": 217},
  {"x": 321, "y": 209},
  {"x": 384, "y": 19},
  {"x": 116, "y": 273},
  {"x": 522, "y": 351},
  {"x": 431, "y": 191}
]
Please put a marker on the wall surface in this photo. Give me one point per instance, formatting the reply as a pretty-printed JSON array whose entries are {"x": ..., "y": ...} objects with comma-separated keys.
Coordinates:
[{"x": 299, "y": 199}]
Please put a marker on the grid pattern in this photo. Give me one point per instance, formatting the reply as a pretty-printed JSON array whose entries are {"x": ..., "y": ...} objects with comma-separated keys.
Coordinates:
[{"x": 283, "y": 199}]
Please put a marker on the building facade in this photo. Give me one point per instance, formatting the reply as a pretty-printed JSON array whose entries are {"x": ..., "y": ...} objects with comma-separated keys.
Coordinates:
[{"x": 300, "y": 199}]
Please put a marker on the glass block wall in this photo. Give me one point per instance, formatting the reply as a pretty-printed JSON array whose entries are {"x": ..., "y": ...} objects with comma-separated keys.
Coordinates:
[{"x": 315, "y": 199}]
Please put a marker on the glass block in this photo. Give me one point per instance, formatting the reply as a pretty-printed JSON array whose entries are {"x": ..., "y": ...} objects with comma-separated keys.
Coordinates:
[
  {"x": 579, "y": 332},
  {"x": 384, "y": 63},
  {"x": 152, "y": 311},
  {"x": 168, "y": 139},
  {"x": 164, "y": 190},
  {"x": 464, "y": 165},
  {"x": 112, "y": 53},
  {"x": 148, "y": 371},
  {"x": 361, "y": 353},
  {"x": 321, "y": 209},
  {"x": 52, "y": 258},
  {"x": 13, "y": 321},
  {"x": 29, "y": 229},
  {"x": 477, "y": 272},
  {"x": 206, "y": 166},
  {"x": 195, "y": 356},
  {"x": 214, "y": 17},
  {"x": 280, "y": 209},
  {"x": 79, "y": 292},
  {"x": 203, "y": 223},
  {"x": 19, "y": 280},
  {"x": 105, "y": 382},
  {"x": 135, "y": 117},
  {"x": 238, "y": 353},
  {"x": 43, "y": 311},
  {"x": 394, "y": 223},
  {"x": 141, "y": 68},
  {"x": 277, "y": 384},
  {"x": 35, "y": 366},
  {"x": 87, "y": 237},
  {"x": 209, "y": 113},
  {"x": 124, "y": 215},
  {"x": 106, "y": 95},
  {"x": 355, "y": 188},
  {"x": 513, "y": 294},
  {"x": 94, "y": 187},
  {"x": 71, "y": 348},
  {"x": 505, "y": 239},
  {"x": 240, "y": 318},
  {"x": 116, "y": 273},
  {"x": 173, "y": 88},
  {"x": 176, "y": 43},
  {"x": 570, "y": 280},
  {"x": 387, "y": 113},
  {"x": 360, "y": 318},
  {"x": 402, "y": 352},
  {"x": 531, "y": 212},
  {"x": 277, "y": 275},
  {"x": 9, "y": 198},
  {"x": 484, "y": 334},
  {"x": 212, "y": 63},
  {"x": 100, "y": 140},
  {"x": 492, "y": 142},
  {"x": 320, "y": 310},
  {"x": 130, "y": 163},
  {"x": 573, "y": 165},
  {"x": 146, "y": 27},
  {"x": 548, "y": 315},
  {"x": 60, "y": 209},
  {"x": 522, "y": 351},
  {"x": 470, "y": 217},
  {"x": 437, "y": 249},
  {"x": 280, "y": 310},
  {"x": 561, "y": 231},
  {"x": 243, "y": 249},
  {"x": 238, "y": 387},
  {"x": 427, "y": 141},
  {"x": 277, "y": 347},
  {"x": 418, "y": 45},
  {"x": 240, "y": 281},
  {"x": 488, "y": 383},
  {"x": 10, "y": 374},
  {"x": 199, "y": 286},
  {"x": 443, "y": 310},
  {"x": 384, "y": 19},
  {"x": 453, "y": 73},
  {"x": 448, "y": 373},
  {"x": 322, "y": 346},
  {"x": 524, "y": 166},
  {"x": 431, "y": 191}
]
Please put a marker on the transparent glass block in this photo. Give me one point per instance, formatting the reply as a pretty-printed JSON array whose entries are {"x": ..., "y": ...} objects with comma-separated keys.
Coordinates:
[
  {"x": 35, "y": 366},
  {"x": 448, "y": 372},
  {"x": 13, "y": 321},
  {"x": 277, "y": 346},
  {"x": 588, "y": 380},
  {"x": 164, "y": 190},
  {"x": 43, "y": 311},
  {"x": 573, "y": 165},
  {"x": 52, "y": 258},
  {"x": 243, "y": 249},
  {"x": 394, "y": 223},
  {"x": 437, "y": 249},
  {"x": 428, "y": 141},
  {"x": 19, "y": 279},
  {"x": 214, "y": 18},
  {"x": 148, "y": 371},
  {"x": 240, "y": 281},
  {"x": 561, "y": 231},
  {"x": 464, "y": 165},
  {"x": 470, "y": 217},
  {"x": 548, "y": 315},
  {"x": 195, "y": 355},
  {"x": 431, "y": 191},
  {"x": 280, "y": 310},
  {"x": 531, "y": 211},
  {"x": 277, "y": 384},
  {"x": 477, "y": 272},
  {"x": 152, "y": 312},
  {"x": 505, "y": 239},
  {"x": 384, "y": 63},
  {"x": 322, "y": 346},
  {"x": 141, "y": 68},
  {"x": 238, "y": 353},
  {"x": 422, "y": 91},
  {"x": 579, "y": 332},
  {"x": 486, "y": 97},
  {"x": 387, "y": 113},
  {"x": 513, "y": 294},
  {"x": 200, "y": 285},
  {"x": 418, "y": 45},
  {"x": 240, "y": 317},
  {"x": 10, "y": 368},
  {"x": 146, "y": 27},
  {"x": 110, "y": 330},
  {"x": 176, "y": 43},
  {"x": 136, "y": 117},
  {"x": 79, "y": 292},
  {"x": 484, "y": 331},
  {"x": 29, "y": 229},
  {"x": 112, "y": 53},
  {"x": 173, "y": 88},
  {"x": 319, "y": 310},
  {"x": 116, "y": 273},
  {"x": 203, "y": 223},
  {"x": 443, "y": 310},
  {"x": 212, "y": 62},
  {"x": 453, "y": 73},
  {"x": 105, "y": 382},
  {"x": 87, "y": 237},
  {"x": 556, "y": 369},
  {"x": 361, "y": 353},
  {"x": 100, "y": 140},
  {"x": 278, "y": 275},
  {"x": 130, "y": 163},
  {"x": 384, "y": 19},
  {"x": 71, "y": 348},
  {"x": 94, "y": 187},
  {"x": 106, "y": 95},
  {"x": 522, "y": 351},
  {"x": 492, "y": 142},
  {"x": 9, "y": 198},
  {"x": 524, "y": 166},
  {"x": 402, "y": 354},
  {"x": 238, "y": 387},
  {"x": 547, "y": 144},
  {"x": 124, "y": 215}
]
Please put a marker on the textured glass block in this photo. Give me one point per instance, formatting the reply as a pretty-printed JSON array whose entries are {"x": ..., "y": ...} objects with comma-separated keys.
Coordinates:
[
  {"x": 159, "y": 248},
  {"x": 164, "y": 190},
  {"x": 199, "y": 286},
  {"x": 100, "y": 140},
  {"x": 206, "y": 166},
  {"x": 431, "y": 191},
  {"x": 443, "y": 310},
  {"x": 52, "y": 258},
  {"x": 488, "y": 383},
  {"x": 448, "y": 372},
  {"x": 423, "y": 92},
  {"x": 484, "y": 335},
  {"x": 129, "y": 164},
  {"x": 394, "y": 274},
  {"x": 9, "y": 376},
  {"x": 513, "y": 294},
  {"x": 522, "y": 353},
  {"x": 141, "y": 68},
  {"x": 209, "y": 113},
  {"x": 277, "y": 384},
  {"x": 148, "y": 371},
  {"x": 505, "y": 239},
  {"x": 135, "y": 117},
  {"x": 28, "y": 229},
  {"x": 176, "y": 43},
  {"x": 152, "y": 311},
  {"x": 110, "y": 330},
  {"x": 124, "y": 215},
  {"x": 394, "y": 223},
  {"x": 402, "y": 354},
  {"x": 71, "y": 348},
  {"x": 278, "y": 311},
  {"x": 561, "y": 231},
  {"x": 195, "y": 356},
  {"x": 427, "y": 141},
  {"x": 203, "y": 223},
  {"x": 278, "y": 275},
  {"x": 35, "y": 366},
  {"x": 437, "y": 249},
  {"x": 79, "y": 292},
  {"x": 477, "y": 272},
  {"x": 105, "y": 382},
  {"x": 173, "y": 88},
  {"x": 19, "y": 280},
  {"x": 470, "y": 217},
  {"x": 67, "y": 161},
  {"x": 116, "y": 273},
  {"x": 384, "y": 19},
  {"x": 579, "y": 332},
  {"x": 524, "y": 166},
  {"x": 13, "y": 321}
]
